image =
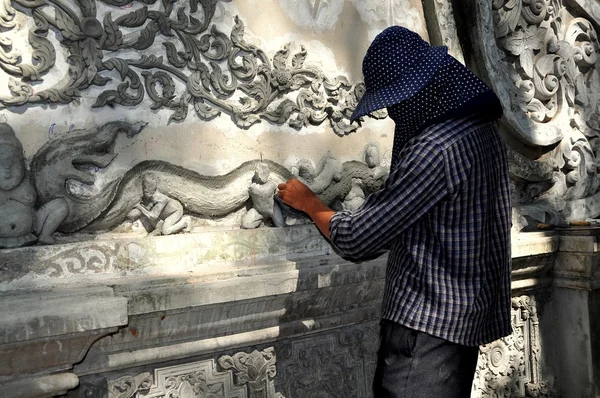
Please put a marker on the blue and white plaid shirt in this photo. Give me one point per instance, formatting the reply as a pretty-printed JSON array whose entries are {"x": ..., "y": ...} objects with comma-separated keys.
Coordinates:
[{"x": 444, "y": 213}]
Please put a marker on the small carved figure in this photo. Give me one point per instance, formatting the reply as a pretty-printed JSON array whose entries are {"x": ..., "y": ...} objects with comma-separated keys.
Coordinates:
[
  {"x": 373, "y": 160},
  {"x": 164, "y": 213},
  {"x": 262, "y": 193},
  {"x": 356, "y": 196},
  {"x": 18, "y": 197}
]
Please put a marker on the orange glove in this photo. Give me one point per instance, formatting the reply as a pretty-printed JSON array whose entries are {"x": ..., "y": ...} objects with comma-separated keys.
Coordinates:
[{"x": 297, "y": 195}]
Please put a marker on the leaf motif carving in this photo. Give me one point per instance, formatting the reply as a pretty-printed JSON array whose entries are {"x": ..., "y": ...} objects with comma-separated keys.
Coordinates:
[
  {"x": 147, "y": 36},
  {"x": 222, "y": 73},
  {"x": 88, "y": 8},
  {"x": 67, "y": 27},
  {"x": 172, "y": 55},
  {"x": 180, "y": 113},
  {"x": 299, "y": 58},
  {"x": 134, "y": 19},
  {"x": 204, "y": 111},
  {"x": 282, "y": 113},
  {"x": 43, "y": 53},
  {"x": 113, "y": 38},
  {"x": 508, "y": 18}
]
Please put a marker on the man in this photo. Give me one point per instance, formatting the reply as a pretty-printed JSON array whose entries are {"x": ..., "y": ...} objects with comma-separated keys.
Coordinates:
[
  {"x": 165, "y": 214},
  {"x": 443, "y": 214}
]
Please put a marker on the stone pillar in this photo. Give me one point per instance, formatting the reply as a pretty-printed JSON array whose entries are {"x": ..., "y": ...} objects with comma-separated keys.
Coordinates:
[{"x": 575, "y": 307}]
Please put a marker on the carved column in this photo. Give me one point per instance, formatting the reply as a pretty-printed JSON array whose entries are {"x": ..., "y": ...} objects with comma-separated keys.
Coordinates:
[{"x": 576, "y": 313}]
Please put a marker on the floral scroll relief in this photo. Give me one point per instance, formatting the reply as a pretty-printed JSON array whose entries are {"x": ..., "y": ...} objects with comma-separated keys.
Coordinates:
[
  {"x": 198, "y": 67},
  {"x": 542, "y": 60}
]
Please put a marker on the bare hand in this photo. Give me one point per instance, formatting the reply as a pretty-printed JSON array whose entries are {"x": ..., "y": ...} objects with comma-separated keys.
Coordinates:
[{"x": 297, "y": 195}]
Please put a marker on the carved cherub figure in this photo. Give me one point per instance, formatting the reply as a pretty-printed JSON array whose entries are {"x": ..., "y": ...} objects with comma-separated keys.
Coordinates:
[
  {"x": 373, "y": 160},
  {"x": 262, "y": 192},
  {"x": 19, "y": 220},
  {"x": 356, "y": 196},
  {"x": 164, "y": 213}
]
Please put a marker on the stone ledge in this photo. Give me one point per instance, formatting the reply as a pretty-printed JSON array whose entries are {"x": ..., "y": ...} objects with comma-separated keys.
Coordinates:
[
  {"x": 167, "y": 352},
  {"x": 40, "y": 386},
  {"x": 533, "y": 243},
  {"x": 54, "y": 327},
  {"x": 204, "y": 253},
  {"x": 586, "y": 244},
  {"x": 30, "y": 315}
]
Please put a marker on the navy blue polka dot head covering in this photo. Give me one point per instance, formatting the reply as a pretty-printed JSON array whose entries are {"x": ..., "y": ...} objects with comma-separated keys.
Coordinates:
[
  {"x": 419, "y": 85},
  {"x": 397, "y": 65}
]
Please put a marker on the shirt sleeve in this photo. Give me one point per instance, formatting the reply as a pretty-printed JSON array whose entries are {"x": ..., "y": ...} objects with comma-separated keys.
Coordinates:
[{"x": 412, "y": 189}]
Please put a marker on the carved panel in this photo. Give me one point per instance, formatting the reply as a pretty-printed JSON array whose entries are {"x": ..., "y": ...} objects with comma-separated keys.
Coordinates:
[
  {"x": 510, "y": 367},
  {"x": 199, "y": 66},
  {"x": 442, "y": 26},
  {"x": 542, "y": 60},
  {"x": 334, "y": 364},
  {"x": 243, "y": 375}
]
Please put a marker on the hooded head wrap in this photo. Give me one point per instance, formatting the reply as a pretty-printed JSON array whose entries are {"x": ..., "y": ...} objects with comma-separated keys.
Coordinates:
[{"x": 420, "y": 85}]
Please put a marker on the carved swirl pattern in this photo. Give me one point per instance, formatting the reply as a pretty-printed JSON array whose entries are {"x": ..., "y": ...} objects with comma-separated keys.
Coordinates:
[
  {"x": 253, "y": 374},
  {"x": 553, "y": 59},
  {"x": 200, "y": 66},
  {"x": 542, "y": 59},
  {"x": 510, "y": 367}
]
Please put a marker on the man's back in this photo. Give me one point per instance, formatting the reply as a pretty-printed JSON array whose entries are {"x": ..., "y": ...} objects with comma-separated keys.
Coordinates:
[{"x": 449, "y": 272}]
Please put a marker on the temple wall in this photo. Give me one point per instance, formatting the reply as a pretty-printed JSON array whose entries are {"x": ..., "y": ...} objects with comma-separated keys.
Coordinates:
[{"x": 207, "y": 105}]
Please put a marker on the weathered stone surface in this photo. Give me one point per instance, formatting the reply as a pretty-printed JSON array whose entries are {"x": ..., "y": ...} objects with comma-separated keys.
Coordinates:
[
  {"x": 587, "y": 244},
  {"x": 577, "y": 345},
  {"x": 532, "y": 244},
  {"x": 40, "y": 386},
  {"x": 192, "y": 254},
  {"x": 39, "y": 314},
  {"x": 54, "y": 329}
]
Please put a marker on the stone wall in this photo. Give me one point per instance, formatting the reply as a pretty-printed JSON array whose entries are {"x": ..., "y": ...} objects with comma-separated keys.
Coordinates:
[{"x": 142, "y": 146}]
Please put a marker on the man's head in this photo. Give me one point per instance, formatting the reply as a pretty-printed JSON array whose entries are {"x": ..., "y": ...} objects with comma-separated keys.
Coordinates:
[
  {"x": 397, "y": 65},
  {"x": 148, "y": 184}
]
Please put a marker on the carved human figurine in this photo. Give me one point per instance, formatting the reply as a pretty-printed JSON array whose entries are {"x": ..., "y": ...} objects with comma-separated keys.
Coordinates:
[
  {"x": 373, "y": 160},
  {"x": 164, "y": 213},
  {"x": 262, "y": 193},
  {"x": 356, "y": 196},
  {"x": 19, "y": 220}
]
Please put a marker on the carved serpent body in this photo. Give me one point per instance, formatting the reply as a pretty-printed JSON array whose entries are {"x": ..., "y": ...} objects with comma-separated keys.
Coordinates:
[
  {"x": 66, "y": 161},
  {"x": 210, "y": 196},
  {"x": 214, "y": 196}
]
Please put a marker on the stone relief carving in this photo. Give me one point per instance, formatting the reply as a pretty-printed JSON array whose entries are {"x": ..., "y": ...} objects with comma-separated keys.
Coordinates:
[
  {"x": 68, "y": 179},
  {"x": 392, "y": 12},
  {"x": 256, "y": 370},
  {"x": 243, "y": 375},
  {"x": 262, "y": 192},
  {"x": 252, "y": 184},
  {"x": 22, "y": 223},
  {"x": 338, "y": 364},
  {"x": 543, "y": 62},
  {"x": 510, "y": 367},
  {"x": 442, "y": 26},
  {"x": 163, "y": 213},
  {"x": 221, "y": 73},
  {"x": 128, "y": 386},
  {"x": 58, "y": 180}
]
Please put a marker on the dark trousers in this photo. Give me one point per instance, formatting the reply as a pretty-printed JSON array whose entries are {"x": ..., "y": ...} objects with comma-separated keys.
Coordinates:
[{"x": 413, "y": 364}]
